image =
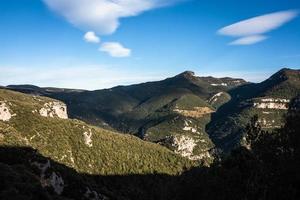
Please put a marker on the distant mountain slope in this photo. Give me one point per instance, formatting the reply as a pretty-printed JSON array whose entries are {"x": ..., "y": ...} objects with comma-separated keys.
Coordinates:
[
  {"x": 268, "y": 99},
  {"x": 267, "y": 170},
  {"x": 41, "y": 123},
  {"x": 176, "y": 112},
  {"x": 172, "y": 112}
]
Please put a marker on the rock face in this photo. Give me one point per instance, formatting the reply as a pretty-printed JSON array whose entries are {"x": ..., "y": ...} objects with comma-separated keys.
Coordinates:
[
  {"x": 184, "y": 145},
  {"x": 223, "y": 82},
  {"x": 88, "y": 138},
  {"x": 270, "y": 103},
  {"x": 54, "y": 109},
  {"x": 49, "y": 178},
  {"x": 5, "y": 114},
  {"x": 215, "y": 97}
]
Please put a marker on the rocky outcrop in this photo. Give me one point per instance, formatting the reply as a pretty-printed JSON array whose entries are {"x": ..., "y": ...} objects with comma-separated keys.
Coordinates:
[
  {"x": 215, "y": 97},
  {"x": 184, "y": 145},
  {"x": 88, "y": 138},
  {"x": 266, "y": 103},
  {"x": 188, "y": 126},
  {"x": 54, "y": 109},
  {"x": 219, "y": 84},
  {"x": 5, "y": 112},
  {"x": 272, "y": 103},
  {"x": 49, "y": 178},
  {"x": 223, "y": 82},
  {"x": 57, "y": 183}
]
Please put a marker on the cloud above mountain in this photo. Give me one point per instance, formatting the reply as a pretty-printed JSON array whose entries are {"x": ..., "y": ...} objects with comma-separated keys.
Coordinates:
[
  {"x": 253, "y": 30},
  {"x": 102, "y": 16},
  {"x": 115, "y": 49},
  {"x": 247, "y": 40},
  {"x": 91, "y": 37}
]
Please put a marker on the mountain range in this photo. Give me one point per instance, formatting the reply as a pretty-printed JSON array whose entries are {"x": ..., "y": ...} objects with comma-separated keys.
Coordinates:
[
  {"x": 153, "y": 140},
  {"x": 193, "y": 116}
]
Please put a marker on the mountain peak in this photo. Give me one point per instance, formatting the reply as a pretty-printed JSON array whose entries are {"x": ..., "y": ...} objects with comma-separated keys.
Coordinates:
[
  {"x": 284, "y": 83},
  {"x": 284, "y": 74},
  {"x": 286, "y": 71},
  {"x": 187, "y": 74}
]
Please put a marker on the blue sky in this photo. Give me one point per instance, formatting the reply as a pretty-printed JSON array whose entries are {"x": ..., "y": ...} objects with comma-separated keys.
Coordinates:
[{"x": 45, "y": 42}]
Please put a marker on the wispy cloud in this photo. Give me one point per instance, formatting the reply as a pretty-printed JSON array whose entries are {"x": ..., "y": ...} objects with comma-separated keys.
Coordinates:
[
  {"x": 102, "y": 16},
  {"x": 252, "y": 30},
  {"x": 91, "y": 37},
  {"x": 249, "y": 40},
  {"x": 115, "y": 49}
]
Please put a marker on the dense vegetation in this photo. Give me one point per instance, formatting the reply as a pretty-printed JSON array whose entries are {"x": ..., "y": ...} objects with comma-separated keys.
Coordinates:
[
  {"x": 41, "y": 155},
  {"x": 63, "y": 140},
  {"x": 228, "y": 124},
  {"x": 267, "y": 168},
  {"x": 148, "y": 110}
]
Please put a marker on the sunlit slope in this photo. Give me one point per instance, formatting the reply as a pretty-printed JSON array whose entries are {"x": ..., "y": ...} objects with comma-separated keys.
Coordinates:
[
  {"x": 269, "y": 100},
  {"x": 74, "y": 143}
]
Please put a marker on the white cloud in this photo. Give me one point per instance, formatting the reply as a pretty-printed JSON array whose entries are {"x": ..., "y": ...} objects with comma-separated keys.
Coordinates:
[
  {"x": 102, "y": 16},
  {"x": 260, "y": 24},
  {"x": 252, "y": 30},
  {"x": 91, "y": 37},
  {"x": 249, "y": 40},
  {"x": 115, "y": 49}
]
